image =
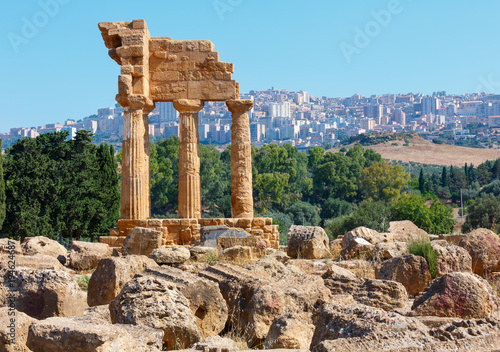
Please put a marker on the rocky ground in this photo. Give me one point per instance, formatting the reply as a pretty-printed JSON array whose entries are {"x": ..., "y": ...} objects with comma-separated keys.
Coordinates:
[{"x": 361, "y": 292}]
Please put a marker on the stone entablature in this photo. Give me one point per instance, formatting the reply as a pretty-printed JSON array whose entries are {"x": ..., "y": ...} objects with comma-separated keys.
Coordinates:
[{"x": 187, "y": 231}]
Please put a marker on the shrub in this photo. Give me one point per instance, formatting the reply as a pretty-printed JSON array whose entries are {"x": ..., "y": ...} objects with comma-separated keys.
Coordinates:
[
  {"x": 423, "y": 248},
  {"x": 83, "y": 282}
]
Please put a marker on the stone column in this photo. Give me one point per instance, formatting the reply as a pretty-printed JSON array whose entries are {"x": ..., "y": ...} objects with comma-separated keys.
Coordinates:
[
  {"x": 189, "y": 158},
  {"x": 135, "y": 196},
  {"x": 241, "y": 159}
]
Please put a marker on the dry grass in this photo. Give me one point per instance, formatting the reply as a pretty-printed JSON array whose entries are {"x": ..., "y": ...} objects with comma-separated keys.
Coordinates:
[{"x": 425, "y": 152}]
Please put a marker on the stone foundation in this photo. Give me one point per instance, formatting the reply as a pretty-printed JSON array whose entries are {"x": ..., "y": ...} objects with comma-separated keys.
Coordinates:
[{"x": 187, "y": 231}]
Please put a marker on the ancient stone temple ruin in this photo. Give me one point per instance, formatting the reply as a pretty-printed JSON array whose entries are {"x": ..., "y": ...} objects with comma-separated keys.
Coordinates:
[{"x": 187, "y": 73}]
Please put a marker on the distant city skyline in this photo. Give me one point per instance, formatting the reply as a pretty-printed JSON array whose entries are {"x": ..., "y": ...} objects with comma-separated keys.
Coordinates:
[{"x": 56, "y": 65}]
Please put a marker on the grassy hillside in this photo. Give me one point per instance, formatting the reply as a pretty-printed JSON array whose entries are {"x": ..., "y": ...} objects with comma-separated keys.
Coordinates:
[{"x": 422, "y": 151}]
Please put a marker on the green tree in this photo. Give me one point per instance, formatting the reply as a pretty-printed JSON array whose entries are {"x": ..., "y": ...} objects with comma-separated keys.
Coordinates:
[
  {"x": 383, "y": 182},
  {"x": 164, "y": 166},
  {"x": 303, "y": 213},
  {"x": 58, "y": 185},
  {"x": 374, "y": 215},
  {"x": 421, "y": 181},
  {"x": 485, "y": 213},
  {"x": 215, "y": 176},
  {"x": 492, "y": 188},
  {"x": 333, "y": 208},
  {"x": 483, "y": 174},
  {"x": 444, "y": 177},
  {"x": 436, "y": 219},
  {"x": 2, "y": 189}
]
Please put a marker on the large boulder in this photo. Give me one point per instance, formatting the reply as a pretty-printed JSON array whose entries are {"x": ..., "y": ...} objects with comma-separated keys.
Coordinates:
[
  {"x": 388, "y": 250},
  {"x": 376, "y": 293},
  {"x": 204, "y": 297},
  {"x": 451, "y": 258},
  {"x": 462, "y": 295},
  {"x": 215, "y": 344},
  {"x": 44, "y": 245},
  {"x": 359, "y": 242},
  {"x": 142, "y": 241},
  {"x": 289, "y": 332},
  {"x": 170, "y": 255},
  {"x": 112, "y": 274},
  {"x": 66, "y": 334},
  {"x": 361, "y": 268},
  {"x": 37, "y": 261},
  {"x": 406, "y": 230},
  {"x": 42, "y": 293},
  {"x": 238, "y": 254},
  {"x": 14, "y": 328},
  {"x": 410, "y": 270},
  {"x": 86, "y": 255},
  {"x": 484, "y": 248},
  {"x": 237, "y": 285},
  {"x": 308, "y": 242},
  {"x": 347, "y": 322},
  {"x": 8, "y": 246},
  {"x": 156, "y": 303},
  {"x": 294, "y": 294}
]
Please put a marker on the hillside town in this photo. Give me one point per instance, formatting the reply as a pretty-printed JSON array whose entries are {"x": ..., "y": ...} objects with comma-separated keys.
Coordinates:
[{"x": 282, "y": 116}]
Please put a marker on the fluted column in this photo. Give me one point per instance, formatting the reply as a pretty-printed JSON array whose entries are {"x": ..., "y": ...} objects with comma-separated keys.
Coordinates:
[
  {"x": 241, "y": 159},
  {"x": 189, "y": 158},
  {"x": 135, "y": 196}
]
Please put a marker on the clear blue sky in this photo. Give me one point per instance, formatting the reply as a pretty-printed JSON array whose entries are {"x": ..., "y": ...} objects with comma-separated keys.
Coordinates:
[{"x": 63, "y": 71}]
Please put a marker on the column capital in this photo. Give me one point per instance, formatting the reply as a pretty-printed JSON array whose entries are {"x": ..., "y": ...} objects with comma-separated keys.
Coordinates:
[
  {"x": 188, "y": 105},
  {"x": 240, "y": 105}
]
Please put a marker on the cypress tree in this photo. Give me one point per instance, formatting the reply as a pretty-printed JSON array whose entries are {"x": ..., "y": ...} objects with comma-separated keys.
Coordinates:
[
  {"x": 444, "y": 177},
  {"x": 421, "y": 181},
  {"x": 2, "y": 189}
]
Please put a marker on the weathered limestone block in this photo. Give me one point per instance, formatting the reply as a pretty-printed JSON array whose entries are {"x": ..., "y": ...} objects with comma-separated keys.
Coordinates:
[
  {"x": 142, "y": 241},
  {"x": 308, "y": 242},
  {"x": 97, "y": 314},
  {"x": 241, "y": 159},
  {"x": 37, "y": 261},
  {"x": 112, "y": 274},
  {"x": 484, "y": 248},
  {"x": 44, "y": 245},
  {"x": 66, "y": 334},
  {"x": 237, "y": 286},
  {"x": 86, "y": 255},
  {"x": 388, "y": 250},
  {"x": 361, "y": 268},
  {"x": 347, "y": 322},
  {"x": 360, "y": 241},
  {"x": 154, "y": 302},
  {"x": 292, "y": 294},
  {"x": 382, "y": 294},
  {"x": 205, "y": 299},
  {"x": 170, "y": 255},
  {"x": 8, "y": 246},
  {"x": 463, "y": 295},
  {"x": 406, "y": 230},
  {"x": 189, "y": 158},
  {"x": 215, "y": 344},
  {"x": 14, "y": 331},
  {"x": 238, "y": 254},
  {"x": 410, "y": 270},
  {"x": 43, "y": 293},
  {"x": 290, "y": 332},
  {"x": 451, "y": 258}
]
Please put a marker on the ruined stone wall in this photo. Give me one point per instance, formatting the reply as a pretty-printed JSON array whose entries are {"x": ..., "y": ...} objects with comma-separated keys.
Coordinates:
[{"x": 187, "y": 231}]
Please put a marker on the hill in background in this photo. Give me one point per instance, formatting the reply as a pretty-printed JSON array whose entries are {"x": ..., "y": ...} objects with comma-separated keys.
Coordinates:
[{"x": 419, "y": 150}]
